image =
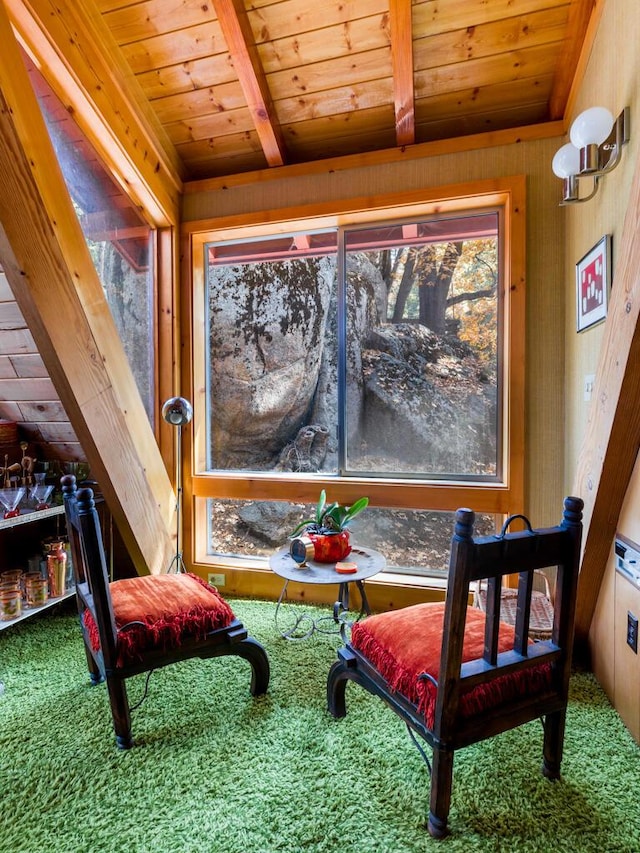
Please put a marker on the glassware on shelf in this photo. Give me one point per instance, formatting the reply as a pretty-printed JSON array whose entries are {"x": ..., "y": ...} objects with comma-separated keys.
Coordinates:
[
  {"x": 37, "y": 589},
  {"x": 10, "y": 604},
  {"x": 10, "y": 500},
  {"x": 40, "y": 494},
  {"x": 57, "y": 569}
]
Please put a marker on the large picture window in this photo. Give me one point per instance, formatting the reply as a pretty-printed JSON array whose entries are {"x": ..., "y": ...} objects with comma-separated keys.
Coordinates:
[
  {"x": 375, "y": 358},
  {"x": 371, "y": 350},
  {"x": 120, "y": 241}
]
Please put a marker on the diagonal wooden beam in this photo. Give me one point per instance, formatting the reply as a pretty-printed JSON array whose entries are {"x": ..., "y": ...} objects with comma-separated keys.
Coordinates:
[
  {"x": 574, "y": 54},
  {"x": 49, "y": 269},
  {"x": 401, "y": 31},
  {"x": 237, "y": 32},
  {"x": 612, "y": 437},
  {"x": 69, "y": 41}
]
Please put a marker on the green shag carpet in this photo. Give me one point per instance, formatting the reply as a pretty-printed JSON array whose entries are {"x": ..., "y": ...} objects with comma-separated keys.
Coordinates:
[{"x": 215, "y": 770}]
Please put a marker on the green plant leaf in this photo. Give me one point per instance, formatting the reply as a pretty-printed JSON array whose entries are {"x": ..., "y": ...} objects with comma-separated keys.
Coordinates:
[{"x": 320, "y": 509}]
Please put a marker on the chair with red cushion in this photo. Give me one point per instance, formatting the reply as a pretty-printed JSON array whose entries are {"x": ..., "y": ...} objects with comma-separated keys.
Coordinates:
[
  {"x": 139, "y": 624},
  {"x": 457, "y": 675}
]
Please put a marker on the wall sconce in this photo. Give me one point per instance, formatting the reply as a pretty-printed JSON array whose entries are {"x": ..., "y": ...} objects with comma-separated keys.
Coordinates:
[
  {"x": 595, "y": 149},
  {"x": 177, "y": 411}
]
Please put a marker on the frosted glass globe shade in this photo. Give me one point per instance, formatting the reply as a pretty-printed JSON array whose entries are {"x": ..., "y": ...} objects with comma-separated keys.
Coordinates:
[
  {"x": 591, "y": 127},
  {"x": 566, "y": 161},
  {"x": 177, "y": 411}
]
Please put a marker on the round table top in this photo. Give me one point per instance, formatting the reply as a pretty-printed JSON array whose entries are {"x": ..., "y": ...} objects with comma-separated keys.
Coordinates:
[{"x": 368, "y": 561}]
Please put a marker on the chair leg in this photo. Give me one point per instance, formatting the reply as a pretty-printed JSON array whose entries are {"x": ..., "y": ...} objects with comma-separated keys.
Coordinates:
[
  {"x": 344, "y": 669},
  {"x": 553, "y": 743},
  {"x": 441, "y": 782},
  {"x": 95, "y": 676},
  {"x": 120, "y": 712},
  {"x": 336, "y": 687},
  {"x": 252, "y": 651}
]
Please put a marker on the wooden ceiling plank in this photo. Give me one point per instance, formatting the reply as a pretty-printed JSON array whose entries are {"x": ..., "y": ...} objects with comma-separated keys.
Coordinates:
[
  {"x": 30, "y": 366},
  {"x": 365, "y": 122},
  {"x": 402, "y": 65},
  {"x": 218, "y": 167},
  {"x": 138, "y": 21},
  {"x": 610, "y": 445},
  {"x": 47, "y": 263},
  {"x": 272, "y": 21},
  {"x": 346, "y": 99},
  {"x": 200, "y": 102},
  {"x": 499, "y": 68},
  {"x": 236, "y": 144},
  {"x": 22, "y": 388},
  {"x": 482, "y": 122},
  {"x": 237, "y": 31},
  {"x": 578, "y": 22},
  {"x": 71, "y": 42},
  {"x": 313, "y": 107},
  {"x": 42, "y": 410},
  {"x": 340, "y": 71},
  {"x": 187, "y": 76},
  {"x": 496, "y": 98},
  {"x": 230, "y": 122},
  {"x": 168, "y": 49},
  {"x": 319, "y": 45},
  {"x": 525, "y": 31},
  {"x": 434, "y": 16}
]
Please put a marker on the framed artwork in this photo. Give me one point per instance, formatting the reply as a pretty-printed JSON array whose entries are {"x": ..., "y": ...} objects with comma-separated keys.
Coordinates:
[{"x": 593, "y": 282}]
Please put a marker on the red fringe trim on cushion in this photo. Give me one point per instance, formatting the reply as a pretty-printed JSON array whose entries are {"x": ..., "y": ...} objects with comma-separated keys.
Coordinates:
[
  {"x": 167, "y": 632},
  {"x": 422, "y": 692}
]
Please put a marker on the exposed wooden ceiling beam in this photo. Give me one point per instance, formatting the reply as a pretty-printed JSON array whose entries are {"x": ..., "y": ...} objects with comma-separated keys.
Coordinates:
[
  {"x": 49, "y": 269},
  {"x": 237, "y": 32},
  {"x": 401, "y": 29},
  {"x": 72, "y": 44},
  {"x": 612, "y": 437}
]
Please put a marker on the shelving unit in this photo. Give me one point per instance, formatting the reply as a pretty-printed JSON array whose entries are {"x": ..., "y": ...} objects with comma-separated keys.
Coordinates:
[
  {"x": 31, "y": 611},
  {"x": 29, "y": 517},
  {"x": 47, "y": 522}
]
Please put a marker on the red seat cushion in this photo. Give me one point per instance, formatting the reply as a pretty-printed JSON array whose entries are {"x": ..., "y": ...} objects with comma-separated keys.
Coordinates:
[
  {"x": 404, "y": 644},
  {"x": 160, "y": 612}
]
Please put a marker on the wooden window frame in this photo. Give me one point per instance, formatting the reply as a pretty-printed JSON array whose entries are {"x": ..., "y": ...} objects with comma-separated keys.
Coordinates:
[{"x": 249, "y": 576}]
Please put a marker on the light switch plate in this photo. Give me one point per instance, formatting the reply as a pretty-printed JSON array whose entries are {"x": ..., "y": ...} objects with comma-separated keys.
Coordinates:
[{"x": 632, "y": 632}]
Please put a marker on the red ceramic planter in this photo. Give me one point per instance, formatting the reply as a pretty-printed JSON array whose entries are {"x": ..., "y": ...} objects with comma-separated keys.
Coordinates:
[{"x": 330, "y": 547}]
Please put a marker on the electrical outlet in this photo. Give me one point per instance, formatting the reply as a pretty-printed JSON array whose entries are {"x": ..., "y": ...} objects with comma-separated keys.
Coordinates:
[
  {"x": 217, "y": 580},
  {"x": 632, "y": 631}
]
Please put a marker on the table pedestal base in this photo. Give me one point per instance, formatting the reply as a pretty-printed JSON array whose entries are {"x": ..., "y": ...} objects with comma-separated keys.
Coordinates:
[{"x": 305, "y": 624}]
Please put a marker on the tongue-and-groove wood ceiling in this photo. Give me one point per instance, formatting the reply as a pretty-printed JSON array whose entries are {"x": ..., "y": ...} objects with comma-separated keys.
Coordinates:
[{"x": 240, "y": 85}]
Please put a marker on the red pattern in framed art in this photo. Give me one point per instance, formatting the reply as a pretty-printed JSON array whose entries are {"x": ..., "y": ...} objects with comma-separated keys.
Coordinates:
[{"x": 593, "y": 282}]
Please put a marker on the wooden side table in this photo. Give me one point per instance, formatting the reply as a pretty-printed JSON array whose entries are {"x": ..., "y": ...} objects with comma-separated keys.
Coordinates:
[{"x": 368, "y": 562}]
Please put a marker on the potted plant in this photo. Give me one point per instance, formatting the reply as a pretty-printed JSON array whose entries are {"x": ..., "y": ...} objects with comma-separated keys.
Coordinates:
[{"x": 328, "y": 529}]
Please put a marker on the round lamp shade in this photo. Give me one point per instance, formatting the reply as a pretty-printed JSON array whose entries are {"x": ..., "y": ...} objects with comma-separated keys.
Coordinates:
[
  {"x": 177, "y": 411},
  {"x": 566, "y": 161},
  {"x": 591, "y": 127}
]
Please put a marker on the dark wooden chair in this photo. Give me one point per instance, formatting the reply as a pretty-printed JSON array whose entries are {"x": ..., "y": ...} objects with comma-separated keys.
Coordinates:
[
  {"x": 140, "y": 624},
  {"x": 456, "y": 675}
]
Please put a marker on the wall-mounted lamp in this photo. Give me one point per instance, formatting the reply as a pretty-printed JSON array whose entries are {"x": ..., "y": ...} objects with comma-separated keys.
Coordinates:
[
  {"x": 595, "y": 149},
  {"x": 177, "y": 411}
]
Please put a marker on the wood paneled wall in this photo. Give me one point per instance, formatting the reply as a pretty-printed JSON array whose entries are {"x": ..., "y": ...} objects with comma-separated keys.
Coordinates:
[
  {"x": 27, "y": 395},
  {"x": 544, "y": 266},
  {"x": 610, "y": 80}
]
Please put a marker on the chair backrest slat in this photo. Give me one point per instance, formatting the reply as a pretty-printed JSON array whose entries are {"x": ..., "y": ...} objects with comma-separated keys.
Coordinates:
[
  {"x": 523, "y": 611},
  {"x": 492, "y": 624}
]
